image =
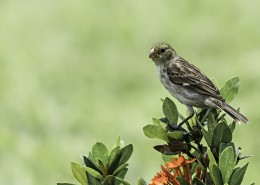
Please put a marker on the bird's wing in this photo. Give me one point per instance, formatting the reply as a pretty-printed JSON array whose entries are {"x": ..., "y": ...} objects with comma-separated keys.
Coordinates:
[{"x": 185, "y": 74}]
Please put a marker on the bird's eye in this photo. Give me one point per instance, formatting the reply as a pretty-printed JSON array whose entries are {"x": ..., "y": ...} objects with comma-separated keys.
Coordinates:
[{"x": 162, "y": 50}]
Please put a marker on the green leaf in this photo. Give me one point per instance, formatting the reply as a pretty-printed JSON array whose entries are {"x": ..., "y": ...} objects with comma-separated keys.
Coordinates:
[
  {"x": 208, "y": 180},
  {"x": 113, "y": 154},
  {"x": 175, "y": 135},
  {"x": 91, "y": 158},
  {"x": 221, "y": 134},
  {"x": 170, "y": 110},
  {"x": 232, "y": 126},
  {"x": 79, "y": 173},
  {"x": 112, "y": 180},
  {"x": 100, "y": 152},
  {"x": 120, "y": 168},
  {"x": 197, "y": 181},
  {"x": 216, "y": 175},
  {"x": 125, "y": 154},
  {"x": 63, "y": 183},
  {"x": 212, "y": 160},
  {"x": 225, "y": 145},
  {"x": 122, "y": 157},
  {"x": 93, "y": 180},
  {"x": 230, "y": 89},
  {"x": 90, "y": 164},
  {"x": 118, "y": 141},
  {"x": 237, "y": 176},
  {"x": 121, "y": 181},
  {"x": 211, "y": 123},
  {"x": 94, "y": 173},
  {"x": 121, "y": 173},
  {"x": 207, "y": 136},
  {"x": 103, "y": 169},
  {"x": 141, "y": 181},
  {"x": 182, "y": 181},
  {"x": 155, "y": 131},
  {"x": 227, "y": 163},
  {"x": 156, "y": 121},
  {"x": 165, "y": 149}
]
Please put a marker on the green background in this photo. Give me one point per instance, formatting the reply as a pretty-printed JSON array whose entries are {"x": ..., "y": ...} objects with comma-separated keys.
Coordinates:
[{"x": 72, "y": 72}]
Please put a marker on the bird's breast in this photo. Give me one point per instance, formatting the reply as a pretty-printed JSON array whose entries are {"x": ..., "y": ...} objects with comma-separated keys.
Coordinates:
[{"x": 181, "y": 93}]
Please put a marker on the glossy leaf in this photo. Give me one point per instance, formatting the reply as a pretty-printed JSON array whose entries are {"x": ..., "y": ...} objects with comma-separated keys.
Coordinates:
[
  {"x": 156, "y": 121},
  {"x": 93, "y": 180},
  {"x": 216, "y": 175},
  {"x": 90, "y": 164},
  {"x": 120, "y": 168},
  {"x": 230, "y": 89},
  {"x": 100, "y": 152},
  {"x": 141, "y": 181},
  {"x": 103, "y": 168},
  {"x": 211, "y": 123},
  {"x": 91, "y": 158},
  {"x": 94, "y": 173},
  {"x": 237, "y": 176},
  {"x": 227, "y": 163},
  {"x": 197, "y": 181},
  {"x": 225, "y": 145},
  {"x": 208, "y": 180},
  {"x": 207, "y": 136},
  {"x": 113, "y": 155},
  {"x": 121, "y": 173},
  {"x": 211, "y": 159},
  {"x": 112, "y": 180},
  {"x": 79, "y": 173},
  {"x": 164, "y": 149},
  {"x": 125, "y": 153},
  {"x": 170, "y": 110},
  {"x": 175, "y": 135},
  {"x": 155, "y": 131},
  {"x": 221, "y": 134},
  {"x": 232, "y": 126}
]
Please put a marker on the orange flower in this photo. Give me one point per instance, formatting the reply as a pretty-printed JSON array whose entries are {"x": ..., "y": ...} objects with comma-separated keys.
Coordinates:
[
  {"x": 160, "y": 179},
  {"x": 179, "y": 167},
  {"x": 181, "y": 161},
  {"x": 175, "y": 162}
]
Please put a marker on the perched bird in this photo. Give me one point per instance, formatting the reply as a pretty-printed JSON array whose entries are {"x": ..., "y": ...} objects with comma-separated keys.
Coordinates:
[{"x": 187, "y": 83}]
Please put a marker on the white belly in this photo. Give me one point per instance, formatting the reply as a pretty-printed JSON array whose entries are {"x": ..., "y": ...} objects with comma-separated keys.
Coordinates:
[{"x": 180, "y": 92}]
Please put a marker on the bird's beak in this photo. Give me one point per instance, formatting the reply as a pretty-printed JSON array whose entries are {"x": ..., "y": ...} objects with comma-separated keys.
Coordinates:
[{"x": 152, "y": 53}]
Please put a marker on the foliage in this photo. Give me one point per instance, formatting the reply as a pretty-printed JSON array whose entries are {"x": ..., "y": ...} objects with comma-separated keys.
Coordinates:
[
  {"x": 102, "y": 167},
  {"x": 213, "y": 162},
  {"x": 189, "y": 160}
]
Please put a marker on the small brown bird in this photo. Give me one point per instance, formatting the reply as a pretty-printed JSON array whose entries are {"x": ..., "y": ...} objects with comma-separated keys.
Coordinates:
[{"x": 187, "y": 83}]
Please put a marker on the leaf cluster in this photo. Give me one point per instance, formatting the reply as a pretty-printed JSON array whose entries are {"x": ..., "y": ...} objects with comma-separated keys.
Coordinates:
[
  {"x": 217, "y": 155},
  {"x": 102, "y": 167}
]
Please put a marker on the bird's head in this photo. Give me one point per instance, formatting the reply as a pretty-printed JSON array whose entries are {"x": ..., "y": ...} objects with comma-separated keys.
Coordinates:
[{"x": 161, "y": 52}]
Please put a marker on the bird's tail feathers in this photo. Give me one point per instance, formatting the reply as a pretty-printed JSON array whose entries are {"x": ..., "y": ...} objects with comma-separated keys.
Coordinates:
[{"x": 237, "y": 116}]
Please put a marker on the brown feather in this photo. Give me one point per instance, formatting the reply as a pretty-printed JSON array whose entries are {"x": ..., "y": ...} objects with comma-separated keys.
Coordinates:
[{"x": 183, "y": 73}]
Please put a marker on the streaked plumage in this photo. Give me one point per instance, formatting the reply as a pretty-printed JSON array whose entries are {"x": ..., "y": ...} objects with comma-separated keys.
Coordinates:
[{"x": 187, "y": 83}]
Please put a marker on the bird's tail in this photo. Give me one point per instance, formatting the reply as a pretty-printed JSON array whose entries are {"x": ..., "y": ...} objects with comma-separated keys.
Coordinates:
[{"x": 233, "y": 113}]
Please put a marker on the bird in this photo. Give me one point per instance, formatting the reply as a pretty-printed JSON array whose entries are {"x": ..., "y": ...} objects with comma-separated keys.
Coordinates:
[{"x": 188, "y": 84}]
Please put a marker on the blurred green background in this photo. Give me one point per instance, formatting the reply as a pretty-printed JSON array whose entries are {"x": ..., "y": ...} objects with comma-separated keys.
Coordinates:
[{"x": 75, "y": 71}]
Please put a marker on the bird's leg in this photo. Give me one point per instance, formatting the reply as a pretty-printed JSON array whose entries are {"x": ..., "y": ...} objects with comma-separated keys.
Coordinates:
[
  {"x": 191, "y": 113},
  {"x": 170, "y": 126}
]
